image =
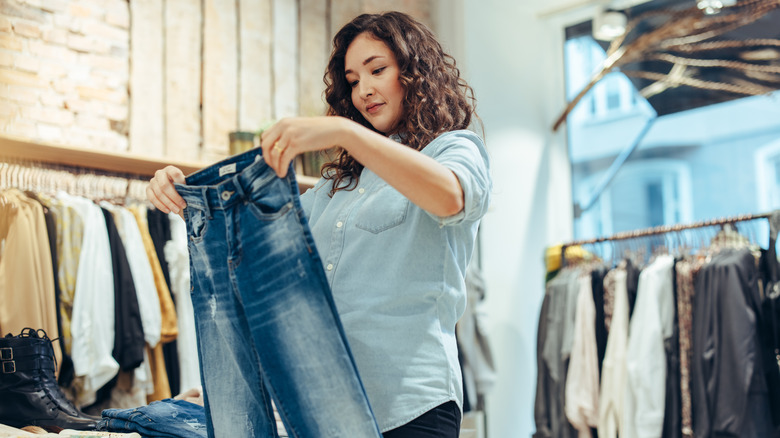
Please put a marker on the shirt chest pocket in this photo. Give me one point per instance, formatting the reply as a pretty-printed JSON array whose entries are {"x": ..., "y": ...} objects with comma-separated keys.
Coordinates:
[{"x": 383, "y": 209}]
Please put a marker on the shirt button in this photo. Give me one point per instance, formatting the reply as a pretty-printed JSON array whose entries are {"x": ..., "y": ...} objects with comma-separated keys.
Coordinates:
[
  {"x": 339, "y": 224},
  {"x": 361, "y": 190},
  {"x": 330, "y": 266},
  {"x": 225, "y": 196}
]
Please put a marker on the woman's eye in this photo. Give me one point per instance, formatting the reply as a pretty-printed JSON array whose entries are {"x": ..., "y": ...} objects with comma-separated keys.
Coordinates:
[
  {"x": 379, "y": 70},
  {"x": 353, "y": 83}
]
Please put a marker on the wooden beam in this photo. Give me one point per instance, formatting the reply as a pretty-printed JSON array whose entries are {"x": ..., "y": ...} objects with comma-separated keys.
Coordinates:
[
  {"x": 24, "y": 150},
  {"x": 35, "y": 151}
]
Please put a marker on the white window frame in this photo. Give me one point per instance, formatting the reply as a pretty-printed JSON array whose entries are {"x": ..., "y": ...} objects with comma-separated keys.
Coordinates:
[
  {"x": 766, "y": 172},
  {"x": 667, "y": 169}
]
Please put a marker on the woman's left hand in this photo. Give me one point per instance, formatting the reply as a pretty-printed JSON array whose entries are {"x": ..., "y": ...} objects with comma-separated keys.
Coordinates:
[{"x": 283, "y": 141}]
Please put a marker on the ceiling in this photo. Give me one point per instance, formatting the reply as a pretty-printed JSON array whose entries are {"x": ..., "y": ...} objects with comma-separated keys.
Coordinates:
[{"x": 716, "y": 83}]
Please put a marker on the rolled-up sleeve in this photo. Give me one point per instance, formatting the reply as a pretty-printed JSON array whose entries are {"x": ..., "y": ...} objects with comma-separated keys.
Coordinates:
[{"x": 464, "y": 153}]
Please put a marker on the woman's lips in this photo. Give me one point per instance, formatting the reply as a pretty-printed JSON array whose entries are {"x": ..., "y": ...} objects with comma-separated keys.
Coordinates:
[{"x": 373, "y": 108}]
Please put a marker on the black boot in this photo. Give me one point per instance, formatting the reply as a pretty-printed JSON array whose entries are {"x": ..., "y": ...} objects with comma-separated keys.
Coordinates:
[{"x": 29, "y": 394}]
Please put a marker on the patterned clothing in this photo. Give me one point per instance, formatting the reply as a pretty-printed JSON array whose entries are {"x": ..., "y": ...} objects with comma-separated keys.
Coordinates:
[
  {"x": 70, "y": 234},
  {"x": 687, "y": 269},
  {"x": 609, "y": 296}
]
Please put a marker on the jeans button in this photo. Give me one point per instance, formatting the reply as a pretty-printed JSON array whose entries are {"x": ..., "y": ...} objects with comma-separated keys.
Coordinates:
[{"x": 226, "y": 195}]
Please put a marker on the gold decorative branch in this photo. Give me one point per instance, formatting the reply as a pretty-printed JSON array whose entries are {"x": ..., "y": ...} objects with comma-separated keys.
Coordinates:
[{"x": 682, "y": 34}]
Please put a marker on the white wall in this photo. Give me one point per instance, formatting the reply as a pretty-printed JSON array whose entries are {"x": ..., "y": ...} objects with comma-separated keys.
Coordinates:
[{"x": 512, "y": 57}]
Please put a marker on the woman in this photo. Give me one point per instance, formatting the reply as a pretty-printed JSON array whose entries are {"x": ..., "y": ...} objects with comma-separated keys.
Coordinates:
[{"x": 395, "y": 215}]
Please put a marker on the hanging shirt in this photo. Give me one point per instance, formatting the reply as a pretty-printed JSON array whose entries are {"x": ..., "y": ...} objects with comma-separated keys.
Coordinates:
[
  {"x": 397, "y": 276},
  {"x": 92, "y": 324},
  {"x": 651, "y": 325},
  {"x": 26, "y": 275},
  {"x": 479, "y": 373},
  {"x": 70, "y": 234},
  {"x": 613, "y": 377},
  {"x": 582, "y": 381},
  {"x": 556, "y": 321},
  {"x": 169, "y": 330},
  {"x": 728, "y": 387}
]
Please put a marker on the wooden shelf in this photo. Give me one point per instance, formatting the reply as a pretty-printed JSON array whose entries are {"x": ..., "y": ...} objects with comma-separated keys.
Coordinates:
[
  {"x": 35, "y": 151},
  {"x": 124, "y": 163}
]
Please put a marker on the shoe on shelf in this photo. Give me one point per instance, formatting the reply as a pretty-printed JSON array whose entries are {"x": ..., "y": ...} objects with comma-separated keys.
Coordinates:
[{"x": 29, "y": 393}]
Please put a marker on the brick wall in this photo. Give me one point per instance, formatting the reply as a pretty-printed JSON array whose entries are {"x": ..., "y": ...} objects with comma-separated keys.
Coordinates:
[
  {"x": 64, "y": 71},
  {"x": 166, "y": 78}
]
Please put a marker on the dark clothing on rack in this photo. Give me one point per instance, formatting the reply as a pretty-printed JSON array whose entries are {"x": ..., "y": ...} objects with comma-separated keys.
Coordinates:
[
  {"x": 160, "y": 230},
  {"x": 128, "y": 334},
  {"x": 632, "y": 285},
  {"x": 770, "y": 327},
  {"x": 729, "y": 392},
  {"x": 673, "y": 407},
  {"x": 553, "y": 353},
  {"x": 543, "y": 381},
  {"x": 597, "y": 284}
]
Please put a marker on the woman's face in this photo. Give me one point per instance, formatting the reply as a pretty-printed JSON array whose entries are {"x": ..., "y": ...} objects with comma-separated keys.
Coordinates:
[{"x": 372, "y": 71}]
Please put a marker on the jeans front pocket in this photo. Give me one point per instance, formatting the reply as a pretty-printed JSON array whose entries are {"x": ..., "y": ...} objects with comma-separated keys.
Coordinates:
[
  {"x": 382, "y": 210},
  {"x": 270, "y": 201},
  {"x": 197, "y": 224}
]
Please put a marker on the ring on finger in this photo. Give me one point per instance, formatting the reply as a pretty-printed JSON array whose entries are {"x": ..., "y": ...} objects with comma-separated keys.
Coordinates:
[{"x": 277, "y": 147}]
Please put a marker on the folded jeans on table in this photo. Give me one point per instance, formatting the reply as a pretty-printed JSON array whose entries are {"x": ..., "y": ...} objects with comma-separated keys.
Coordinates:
[{"x": 166, "y": 418}]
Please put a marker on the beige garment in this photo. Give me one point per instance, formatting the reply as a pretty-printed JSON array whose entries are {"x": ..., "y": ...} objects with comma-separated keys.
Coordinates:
[
  {"x": 581, "y": 400},
  {"x": 162, "y": 387},
  {"x": 170, "y": 331},
  {"x": 613, "y": 373},
  {"x": 26, "y": 273}
]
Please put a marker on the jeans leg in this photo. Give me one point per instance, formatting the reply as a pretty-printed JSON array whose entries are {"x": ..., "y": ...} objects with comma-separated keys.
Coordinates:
[
  {"x": 300, "y": 341},
  {"x": 235, "y": 398}
]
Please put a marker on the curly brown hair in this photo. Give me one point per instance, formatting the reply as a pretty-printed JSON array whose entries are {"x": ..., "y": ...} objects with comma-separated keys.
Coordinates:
[{"x": 437, "y": 99}]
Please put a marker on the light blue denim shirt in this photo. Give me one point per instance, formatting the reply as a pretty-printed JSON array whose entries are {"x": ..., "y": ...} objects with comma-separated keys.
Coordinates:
[{"x": 397, "y": 275}]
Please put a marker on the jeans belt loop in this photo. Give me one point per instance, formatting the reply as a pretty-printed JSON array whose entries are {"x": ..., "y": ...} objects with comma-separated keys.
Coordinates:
[
  {"x": 205, "y": 195},
  {"x": 239, "y": 187}
]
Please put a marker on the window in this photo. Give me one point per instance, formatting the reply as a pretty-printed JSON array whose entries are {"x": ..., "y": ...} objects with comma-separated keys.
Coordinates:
[
  {"x": 695, "y": 154},
  {"x": 642, "y": 195},
  {"x": 768, "y": 176}
]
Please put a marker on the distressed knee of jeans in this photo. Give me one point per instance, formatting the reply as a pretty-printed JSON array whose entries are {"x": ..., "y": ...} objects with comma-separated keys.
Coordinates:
[
  {"x": 213, "y": 305},
  {"x": 249, "y": 427}
]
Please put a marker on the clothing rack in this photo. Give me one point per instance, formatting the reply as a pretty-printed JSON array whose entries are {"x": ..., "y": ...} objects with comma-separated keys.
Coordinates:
[
  {"x": 664, "y": 229},
  {"x": 49, "y": 178}
]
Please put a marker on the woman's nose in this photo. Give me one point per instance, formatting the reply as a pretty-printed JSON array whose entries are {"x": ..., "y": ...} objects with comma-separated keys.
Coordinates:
[{"x": 366, "y": 89}]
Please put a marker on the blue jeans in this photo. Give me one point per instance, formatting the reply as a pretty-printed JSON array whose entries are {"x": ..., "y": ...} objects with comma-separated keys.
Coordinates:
[
  {"x": 168, "y": 418},
  {"x": 266, "y": 322}
]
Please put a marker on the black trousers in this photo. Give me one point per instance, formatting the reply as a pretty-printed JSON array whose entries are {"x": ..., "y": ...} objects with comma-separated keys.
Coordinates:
[{"x": 442, "y": 421}]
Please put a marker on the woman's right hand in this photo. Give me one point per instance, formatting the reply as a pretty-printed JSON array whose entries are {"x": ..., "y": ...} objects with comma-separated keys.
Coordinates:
[{"x": 162, "y": 193}]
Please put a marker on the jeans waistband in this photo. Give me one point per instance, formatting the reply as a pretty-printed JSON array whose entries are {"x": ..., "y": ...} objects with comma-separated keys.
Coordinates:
[{"x": 227, "y": 182}]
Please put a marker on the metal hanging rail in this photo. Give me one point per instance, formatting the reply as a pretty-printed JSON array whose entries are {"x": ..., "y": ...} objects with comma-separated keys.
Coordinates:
[{"x": 669, "y": 229}]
